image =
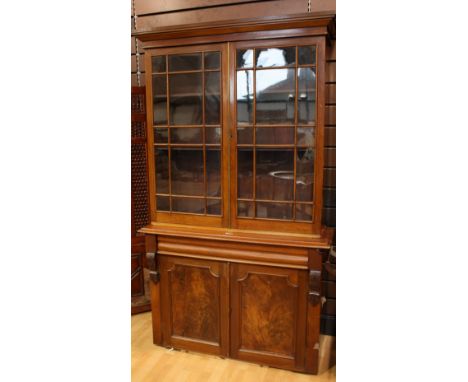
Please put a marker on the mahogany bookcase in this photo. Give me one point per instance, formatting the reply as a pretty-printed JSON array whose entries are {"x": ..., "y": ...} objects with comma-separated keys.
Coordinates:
[{"x": 235, "y": 127}]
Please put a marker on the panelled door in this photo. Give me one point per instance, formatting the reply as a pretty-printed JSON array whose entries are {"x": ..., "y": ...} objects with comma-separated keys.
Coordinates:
[
  {"x": 268, "y": 315},
  {"x": 196, "y": 304}
]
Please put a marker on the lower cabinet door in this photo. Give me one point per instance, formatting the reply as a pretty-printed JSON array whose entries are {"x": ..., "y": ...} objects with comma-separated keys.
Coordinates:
[
  {"x": 268, "y": 316},
  {"x": 195, "y": 304}
]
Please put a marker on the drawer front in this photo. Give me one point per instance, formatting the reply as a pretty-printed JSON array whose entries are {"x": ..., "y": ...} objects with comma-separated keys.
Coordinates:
[
  {"x": 195, "y": 304},
  {"x": 268, "y": 315}
]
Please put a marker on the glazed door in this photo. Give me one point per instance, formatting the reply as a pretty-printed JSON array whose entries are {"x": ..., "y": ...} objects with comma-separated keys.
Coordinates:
[
  {"x": 268, "y": 315},
  {"x": 187, "y": 133},
  {"x": 195, "y": 298}
]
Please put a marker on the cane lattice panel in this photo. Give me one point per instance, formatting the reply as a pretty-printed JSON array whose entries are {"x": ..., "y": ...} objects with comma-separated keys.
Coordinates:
[
  {"x": 138, "y": 129},
  {"x": 140, "y": 200},
  {"x": 138, "y": 103},
  {"x": 139, "y": 185}
]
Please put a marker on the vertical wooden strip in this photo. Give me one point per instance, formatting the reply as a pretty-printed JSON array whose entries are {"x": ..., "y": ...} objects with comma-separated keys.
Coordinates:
[
  {"x": 205, "y": 183},
  {"x": 232, "y": 133},
  {"x": 254, "y": 131},
  {"x": 169, "y": 148},
  {"x": 226, "y": 129},
  {"x": 156, "y": 311},
  {"x": 301, "y": 330},
  {"x": 320, "y": 126},
  {"x": 150, "y": 137},
  {"x": 313, "y": 319},
  {"x": 296, "y": 112},
  {"x": 224, "y": 308}
]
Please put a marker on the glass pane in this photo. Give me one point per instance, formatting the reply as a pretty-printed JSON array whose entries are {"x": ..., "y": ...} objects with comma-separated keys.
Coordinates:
[
  {"x": 187, "y": 171},
  {"x": 245, "y": 173},
  {"x": 185, "y": 106},
  {"x": 269, "y": 57},
  {"x": 245, "y": 209},
  {"x": 276, "y": 89},
  {"x": 275, "y": 135},
  {"x": 186, "y": 135},
  {"x": 306, "y": 136},
  {"x": 245, "y": 96},
  {"x": 275, "y": 174},
  {"x": 195, "y": 206},
  {"x": 306, "y": 94},
  {"x": 213, "y": 207},
  {"x": 213, "y": 135},
  {"x": 159, "y": 99},
  {"x": 305, "y": 175},
  {"x": 307, "y": 55},
  {"x": 160, "y": 135},
  {"x": 212, "y": 60},
  {"x": 244, "y": 58},
  {"x": 158, "y": 63},
  {"x": 274, "y": 210},
  {"x": 304, "y": 212},
  {"x": 162, "y": 203},
  {"x": 213, "y": 172},
  {"x": 185, "y": 62},
  {"x": 162, "y": 171},
  {"x": 244, "y": 135},
  {"x": 212, "y": 98}
]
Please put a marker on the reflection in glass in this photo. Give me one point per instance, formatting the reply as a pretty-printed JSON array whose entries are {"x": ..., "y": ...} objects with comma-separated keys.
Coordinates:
[
  {"x": 306, "y": 136},
  {"x": 304, "y": 212},
  {"x": 274, "y": 210},
  {"x": 244, "y": 58},
  {"x": 186, "y": 135},
  {"x": 245, "y": 173},
  {"x": 185, "y": 62},
  {"x": 213, "y": 135},
  {"x": 191, "y": 205},
  {"x": 245, "y": 209},
  {"x": 162, "y": 171},
  {"x": 158, "y": 64},
  {"x": 213, "y": 206},
  {"x": 185, "y": 107},
  {"x": 159, "y": 99},
  {"x": 307, "y": 55},
  {"x": 162, "y": 203},
  {"x": 213, "y": 172},
  {"x": 304, "y": 175},
  {"x": 276, "y": 90},
  {"x": 269, "y": 57},
  {"x": 212, "y": 60},
  {"x": 275, "y": 135},
  {"x": 306, "y": 95},
  {"x": 244, "y": 135},
  {"x": 160, "y": 135},
  {"x": 187, "y": 171},
  {"x": 212, "y": 98},
  {"x": 245, "y": 96},
  {"x": 275, "y": 174}
]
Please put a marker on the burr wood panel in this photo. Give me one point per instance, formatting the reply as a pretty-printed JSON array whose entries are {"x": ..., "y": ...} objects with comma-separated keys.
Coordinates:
[
  {"x": 268, "y": 315},
  {"x": 195, "y": 301}
]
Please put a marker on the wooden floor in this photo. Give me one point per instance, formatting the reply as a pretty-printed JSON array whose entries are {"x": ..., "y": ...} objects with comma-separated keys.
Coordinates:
[{"x": 154, "y": 363}]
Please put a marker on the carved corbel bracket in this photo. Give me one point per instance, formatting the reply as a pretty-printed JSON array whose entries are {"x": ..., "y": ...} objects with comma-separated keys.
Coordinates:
[
  {"x": 314, "y": 287},
  {"x": 152, "y": 265}
]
